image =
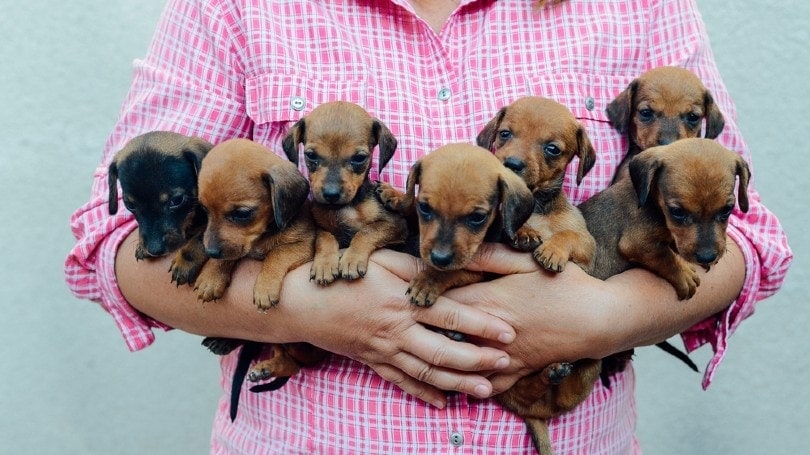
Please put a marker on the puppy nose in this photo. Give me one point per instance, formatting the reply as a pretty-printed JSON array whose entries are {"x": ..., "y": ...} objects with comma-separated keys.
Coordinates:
[
  {"x": 331, "y": 194},
  {"x": 706, "y": 257},
  {"x": 515, "y": 164},
  {"x": 213, "y": 252},
  {"x": 441, "y": 258}
]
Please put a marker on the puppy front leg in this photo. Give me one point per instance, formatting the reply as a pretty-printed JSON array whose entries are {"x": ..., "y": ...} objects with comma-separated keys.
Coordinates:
[
  {"x": 354, "y": 260},
  {"x": 390, "y": 197},
  {"x": 280, "y": 260},
  {"x": 326, "y": 265},
  {"x": 430, "y": 283},
  {"x": 664, "y": 262},
  {"x": 188, "y": 261},
  {"x": 214, "y": 278}
]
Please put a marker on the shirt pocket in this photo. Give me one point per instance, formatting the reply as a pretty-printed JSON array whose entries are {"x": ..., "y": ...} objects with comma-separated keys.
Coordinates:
[{"x": 282, "y": 99}]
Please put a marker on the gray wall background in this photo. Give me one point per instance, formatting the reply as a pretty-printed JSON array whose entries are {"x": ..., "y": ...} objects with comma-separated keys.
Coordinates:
[{"x": 69, "y": 386}]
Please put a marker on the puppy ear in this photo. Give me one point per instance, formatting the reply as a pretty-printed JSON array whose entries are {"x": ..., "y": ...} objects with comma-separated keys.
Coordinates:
[
  {"x": 289, "y": 190},
  {"x": 112, "y": 182},
  {"x": 517, "y": 202},
  {"x": 291, "y": 140},
  {"x": 644, "y": 168},
  {"x": 620, "y": 109},
  {"x": 486, "y": 137},
  {"x": 744, "y": 173},
  {"x": 386, "y": 143},
  {"x": 195, "y": 151},
  {"x": 409, "y": 199},
  {"x": 585, "y": 152},
  {"x": 714, "y": 118}
]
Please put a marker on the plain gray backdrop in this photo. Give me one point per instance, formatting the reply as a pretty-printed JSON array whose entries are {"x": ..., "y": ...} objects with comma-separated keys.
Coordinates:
[{"x": 68, "y": 385}]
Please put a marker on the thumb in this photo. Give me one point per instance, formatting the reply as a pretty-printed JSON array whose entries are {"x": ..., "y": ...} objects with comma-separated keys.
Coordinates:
[{"x": 503, "y": 260}]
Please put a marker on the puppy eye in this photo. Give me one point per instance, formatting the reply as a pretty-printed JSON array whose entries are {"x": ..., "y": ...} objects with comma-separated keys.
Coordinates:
[
  {"x": 476, "y": 220},
  {"x": 241, "y": 215},
  {"x": 129, "y": 205},
  {"x": 679, "y": 215},
  {"x": 725, "y": 213},
  {"x": 358, "y": 159},
  {"x": 178, "y": 202},
  {"x": 693, "y": 118},
  {"x": 425, "y": 211},
  {"x": 551, "y": 150},
  {"x": 646, "y": 114},
  {"x": 311, "y": 157},
  {"x": 504, "y": 135}
]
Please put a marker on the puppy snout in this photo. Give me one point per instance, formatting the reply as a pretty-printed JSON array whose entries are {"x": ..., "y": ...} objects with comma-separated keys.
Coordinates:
[
  {"x": 441, "y": 258},
  {"x": 331, "y": 193},
  {"x": 213, "y": 251},
  {"x": 515, "y": 164},
  {"x": 706, "y": 257}
]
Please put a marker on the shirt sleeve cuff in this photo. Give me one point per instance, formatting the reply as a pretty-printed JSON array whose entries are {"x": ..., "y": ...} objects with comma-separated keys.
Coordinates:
[
  {"x": 136, "y": 327},
  {"x": 717, "y": 329}
]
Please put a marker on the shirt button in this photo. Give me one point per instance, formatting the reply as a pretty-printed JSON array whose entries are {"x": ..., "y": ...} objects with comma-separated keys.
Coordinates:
[
  {"x": 297, "y": 103},
  {"x": 590, "y": 103},
  {"x": 444, "y": 94},
  {"x": 457, "y": 439}
]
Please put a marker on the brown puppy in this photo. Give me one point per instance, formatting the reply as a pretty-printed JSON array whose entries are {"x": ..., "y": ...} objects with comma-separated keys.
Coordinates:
[
  {"x": 536, "y": 138},
  {"x": 466, "y": 196},
  {"x": 158, "y": 176},
  {"x": 668, "y": 216},
  {"x": 338, "y": 139},
  {"x": 661, "y": 106},
  {"x": 257, "y": 208}
]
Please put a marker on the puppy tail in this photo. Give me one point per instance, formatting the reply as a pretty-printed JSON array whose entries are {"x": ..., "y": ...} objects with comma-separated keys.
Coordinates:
[{"x": 112, "y": 182}]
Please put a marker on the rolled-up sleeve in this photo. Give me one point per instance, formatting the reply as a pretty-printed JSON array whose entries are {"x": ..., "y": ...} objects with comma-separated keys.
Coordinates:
[{"x": 191, "y": 83}]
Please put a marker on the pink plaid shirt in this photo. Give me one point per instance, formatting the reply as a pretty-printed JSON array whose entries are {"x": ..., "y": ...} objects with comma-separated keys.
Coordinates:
[{"x": 250, "y": 68}]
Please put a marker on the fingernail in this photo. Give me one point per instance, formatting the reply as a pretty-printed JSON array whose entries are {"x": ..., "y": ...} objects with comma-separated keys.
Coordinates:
[
  {"x": 481, "y": 391},
  {"x": 506, "y": 337},
  {"x": 501, "y": 363},
  {"x": 438, "y": 403}
]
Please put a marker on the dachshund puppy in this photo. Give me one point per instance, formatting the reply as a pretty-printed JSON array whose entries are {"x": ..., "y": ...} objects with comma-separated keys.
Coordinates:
[
  {"x": 536, "y": 138},
  {"x": 257, "y": 208},
  {"x": 668, "y": 216},
  {"x": 466, "y": 196},
  {"x": 661, "y": 106},
  {"x": 338, "y": 139},
  {"x": 158, "y": 176}
]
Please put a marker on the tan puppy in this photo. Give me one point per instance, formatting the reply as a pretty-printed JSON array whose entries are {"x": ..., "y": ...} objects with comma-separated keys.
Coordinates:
[
  {"x": 536, "y": 138},
  {"x": 670, "y": 215},
  {"x": 466, "y": 196},
  {"x": 661, "y": 106},
  {"x": 257, "y": 208},
  {"x": 338, "y": 140},
  {"x": 158, "y": 176}
]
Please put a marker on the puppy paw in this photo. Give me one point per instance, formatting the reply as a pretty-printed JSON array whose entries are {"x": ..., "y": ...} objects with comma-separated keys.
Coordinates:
[
  {"x": 556, "y": 372},
  {"x": 221, "y": 346},
  {"x": 551, "y": 257},
  {"x": 278, "y": 365},
  {"x": 423, "y": 291},
  {"x": 325, "y": 269},
  {"x": 353, "y": 266},
  {"x": 686, "y": 282},
  {"x": 266, "y": 293},
  {"x": 526, "y": 239},
  {"x": 211, "y": 283},
  {"x": 140, "y": 252},
  {"x": 187, "y": 264},
  {"x": 390, "y": 197}
]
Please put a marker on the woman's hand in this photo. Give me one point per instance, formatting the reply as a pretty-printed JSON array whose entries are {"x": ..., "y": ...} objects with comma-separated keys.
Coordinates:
[{"x": 372, "y": 321}]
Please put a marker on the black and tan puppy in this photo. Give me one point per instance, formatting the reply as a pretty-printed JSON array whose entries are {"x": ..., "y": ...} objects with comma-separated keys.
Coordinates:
[
  {"x": 338, "y": 140},
  {"x": 467, "y": 196},
  {"x": 669, "y": 216},
  {"x": 536, "y": 138},
  {"x": 158, "y": 176},
  {"x": 661, "y": 106},
  {"x": 257, "y": 208}
]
